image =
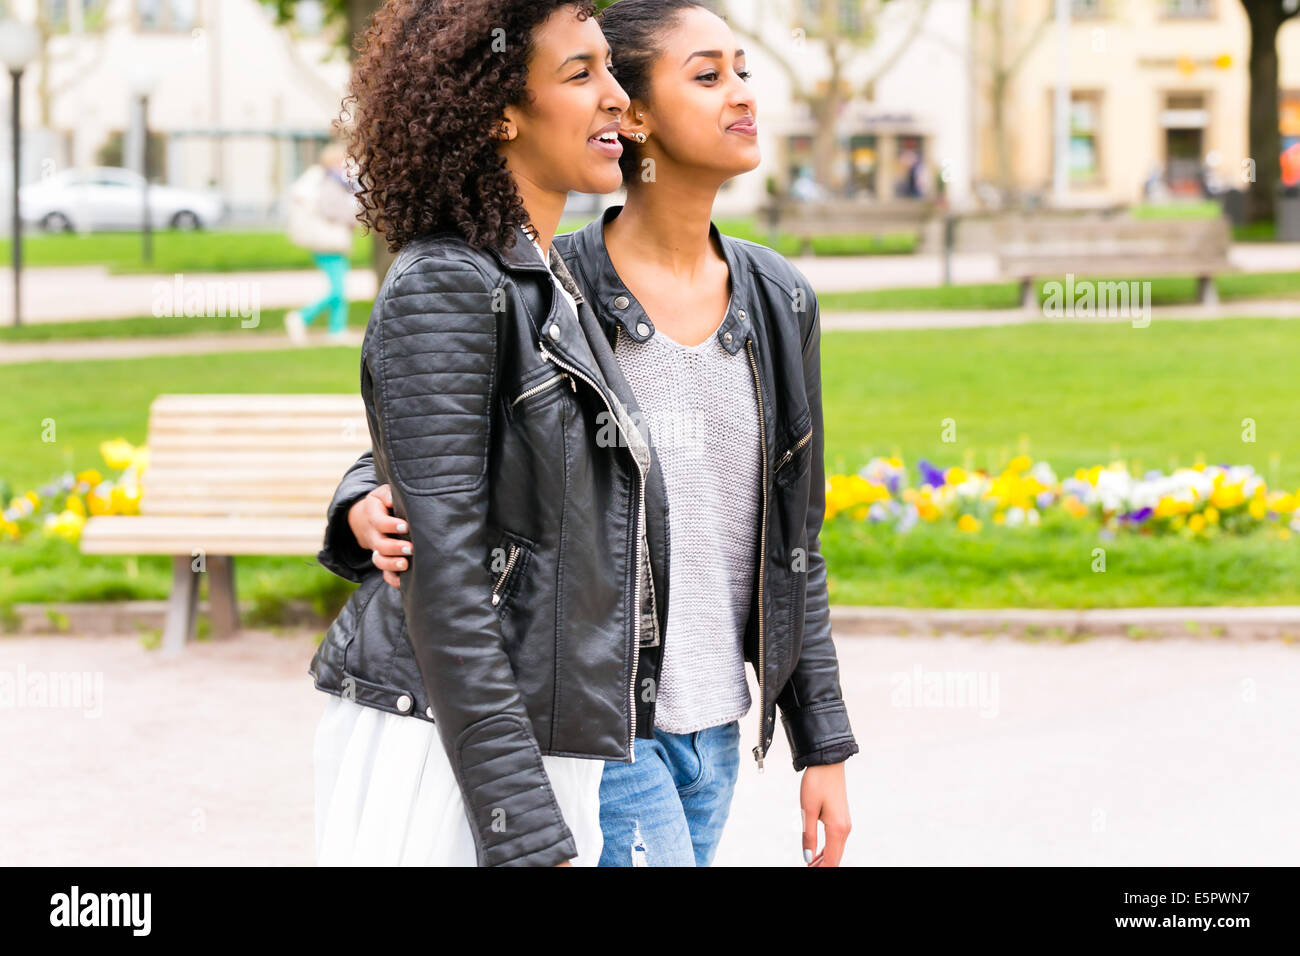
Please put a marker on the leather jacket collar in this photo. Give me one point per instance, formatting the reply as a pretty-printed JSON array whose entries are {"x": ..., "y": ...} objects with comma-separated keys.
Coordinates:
[{"x": 617, "y": 307}]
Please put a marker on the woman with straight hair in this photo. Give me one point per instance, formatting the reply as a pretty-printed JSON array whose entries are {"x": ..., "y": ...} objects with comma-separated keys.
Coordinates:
[{"x": 719, "y": 341}]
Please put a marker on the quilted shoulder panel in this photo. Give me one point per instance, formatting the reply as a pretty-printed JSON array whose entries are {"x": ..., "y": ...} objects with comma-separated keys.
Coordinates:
[{"x": 435, "y": 375}]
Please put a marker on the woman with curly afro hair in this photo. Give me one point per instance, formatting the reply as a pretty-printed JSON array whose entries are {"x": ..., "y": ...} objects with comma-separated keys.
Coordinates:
[{"x": 470, "y": 123}]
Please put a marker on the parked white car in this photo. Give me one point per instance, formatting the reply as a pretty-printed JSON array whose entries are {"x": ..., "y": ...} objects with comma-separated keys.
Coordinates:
[{"x": 108, "y": 197}]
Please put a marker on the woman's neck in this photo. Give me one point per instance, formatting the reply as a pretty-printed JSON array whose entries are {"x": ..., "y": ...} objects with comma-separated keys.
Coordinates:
[
  {"x": 664, "y": 226},
  {"x": 543, "y": 209}
]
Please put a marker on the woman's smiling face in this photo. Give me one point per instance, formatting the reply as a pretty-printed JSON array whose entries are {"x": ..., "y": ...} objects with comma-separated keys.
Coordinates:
[
  {"x": 701, "y": 113},
  {"x": 567, "y": 133}
]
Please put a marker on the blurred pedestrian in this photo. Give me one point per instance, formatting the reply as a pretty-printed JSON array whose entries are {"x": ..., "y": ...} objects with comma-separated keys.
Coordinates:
[{"x": 322, "y": 216}]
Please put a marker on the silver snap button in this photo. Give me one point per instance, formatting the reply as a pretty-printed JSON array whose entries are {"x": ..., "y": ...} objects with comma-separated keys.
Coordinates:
[
  {"x": 741, "y": 313},
  {"x": 428, "y": 712},
  {"x": 727, "y": 338},
  {"x": 554, "y": 331},
  {"x": 403, "y": 703},
  {"x": 621, "y": 302},
  {"x": 642, "y": 328}
]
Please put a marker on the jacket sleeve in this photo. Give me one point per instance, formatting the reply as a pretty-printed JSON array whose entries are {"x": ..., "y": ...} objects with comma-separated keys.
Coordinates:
[
  {"x": 812, "y": 707},
  {"x": 430, "y": 378},
  {"x": 340, "y": 552}
]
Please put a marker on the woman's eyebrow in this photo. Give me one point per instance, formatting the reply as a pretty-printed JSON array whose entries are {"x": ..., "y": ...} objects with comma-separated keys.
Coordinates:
[
  {"x": 584, "y": 57},
  {"x": 711, "y": 54}
]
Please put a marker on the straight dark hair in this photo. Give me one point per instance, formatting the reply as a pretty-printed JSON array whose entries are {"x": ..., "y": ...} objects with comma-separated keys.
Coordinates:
[{"x": 633, "y": 29}]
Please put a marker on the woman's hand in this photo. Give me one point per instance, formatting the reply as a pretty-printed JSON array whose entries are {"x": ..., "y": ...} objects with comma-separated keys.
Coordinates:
[
  {"x": 823, "y": 796},
  {"x": 371, "y": 520}
]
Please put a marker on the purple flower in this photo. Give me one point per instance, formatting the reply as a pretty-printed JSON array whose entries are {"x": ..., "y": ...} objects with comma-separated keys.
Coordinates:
[
  {"x": 930, "y": 475},
  {"x": 1137, "y": 517}
]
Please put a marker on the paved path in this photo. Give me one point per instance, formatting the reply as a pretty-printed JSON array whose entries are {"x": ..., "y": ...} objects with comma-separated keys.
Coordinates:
[
  {"x": 1107, "y": 752},
  {"x": 91, "y": 292}
]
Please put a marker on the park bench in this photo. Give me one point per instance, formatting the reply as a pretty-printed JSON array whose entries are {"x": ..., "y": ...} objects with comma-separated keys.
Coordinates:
[
  {"x": 1047, "y": 246},
  {"x": 229, "y": 475},
  {"x": 838, "y": 217}
]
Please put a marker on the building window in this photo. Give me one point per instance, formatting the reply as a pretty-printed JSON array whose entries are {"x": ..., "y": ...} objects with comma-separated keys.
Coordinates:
[
  {"x": 73, "y": 14},
  {"x": 1189, "y": 9},
  {"x": 166, "y": 16},
  {"x": 864, "y": 161},
  {"x": 1085, "y": 153}
]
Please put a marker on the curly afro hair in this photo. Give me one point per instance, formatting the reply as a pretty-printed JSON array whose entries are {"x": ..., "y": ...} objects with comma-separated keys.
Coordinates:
[{"x": 429, "y": 86}]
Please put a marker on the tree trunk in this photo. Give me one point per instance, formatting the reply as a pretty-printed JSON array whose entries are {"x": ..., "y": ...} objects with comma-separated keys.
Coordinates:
[
  {"x": 359, "y": 14},
  {"x": 1265, "y": 138}
]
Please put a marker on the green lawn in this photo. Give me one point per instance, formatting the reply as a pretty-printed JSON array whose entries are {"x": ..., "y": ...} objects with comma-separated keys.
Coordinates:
[
  {"x": 1006, "y": 295},
  {"x": 1075, "y": 394},
  {"x": 173, "y": 251}
]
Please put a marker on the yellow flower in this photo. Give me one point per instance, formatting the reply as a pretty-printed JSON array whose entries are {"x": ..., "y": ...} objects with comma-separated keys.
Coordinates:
[
  {"x": 117, "y": 453},
  {"x": 955, "y": 475},
  {"x": 1196, "y": 522},
  {"x": 999, "y": 517},
  {"x": 1258, "y": 509},
  {"x": 34, "y": 498},
  {"x": 1018, "y": 464},
  {"x": 9, "y": 529},
  {"x": 1225, "y": 496},
  {"x": 1211, "y": 514},
  {"x": 90, "y": 476},
  {"x": 66, "y": 525},
  {"x": 1076, "y": 507},
  {"x": 126, "y": 499},
  {"x": 968, "y": 523},
  {"x": 76, "y": 505}
]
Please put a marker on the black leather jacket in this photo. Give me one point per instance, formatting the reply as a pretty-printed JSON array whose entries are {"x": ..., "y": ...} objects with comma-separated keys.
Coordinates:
[{"x": 533, "y": 497}]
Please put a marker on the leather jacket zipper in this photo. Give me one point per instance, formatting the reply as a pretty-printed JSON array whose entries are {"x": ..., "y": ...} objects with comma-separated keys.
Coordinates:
[
  {"x": 762, "y": 554},
  {"x": 505, "y": 573},
  {"x": 640, "y": 525},
  {"x": 792, "y": 451},
  {"x": 550, "y": 382}
]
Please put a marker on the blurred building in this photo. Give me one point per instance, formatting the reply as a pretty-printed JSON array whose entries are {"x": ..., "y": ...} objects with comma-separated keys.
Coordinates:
[
  {"x": 1159, "y": 96},
  {"x": 906, "y": 101},
  {"x": 238, "y": 105}
]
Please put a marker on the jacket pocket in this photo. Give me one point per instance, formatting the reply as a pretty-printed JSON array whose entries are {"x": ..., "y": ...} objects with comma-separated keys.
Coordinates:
[
  {"x": 793, "y": 462},
  {"x": 535, "y": 393},
  {"x": 507, "y": 564}
]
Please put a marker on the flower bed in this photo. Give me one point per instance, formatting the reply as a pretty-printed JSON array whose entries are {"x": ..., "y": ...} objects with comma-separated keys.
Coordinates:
[
  {"x": 1202, "y": 501},
  {"x": 60, "y": 507}
]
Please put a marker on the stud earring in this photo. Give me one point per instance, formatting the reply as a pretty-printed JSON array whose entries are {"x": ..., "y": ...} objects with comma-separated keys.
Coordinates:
[{"x": 639, "y": 137}]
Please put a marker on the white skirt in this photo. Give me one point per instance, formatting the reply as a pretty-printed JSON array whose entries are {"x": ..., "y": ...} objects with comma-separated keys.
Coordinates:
[{"x": 386, "y": 794}]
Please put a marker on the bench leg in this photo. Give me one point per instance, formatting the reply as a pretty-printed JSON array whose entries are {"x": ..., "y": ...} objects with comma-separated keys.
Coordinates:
[
  {"x": 221, "y": 596},
  {"x": 1206, "y": 291},
  {"x": 1028, "y": 295},
  {"x": 182, "y": 606}
]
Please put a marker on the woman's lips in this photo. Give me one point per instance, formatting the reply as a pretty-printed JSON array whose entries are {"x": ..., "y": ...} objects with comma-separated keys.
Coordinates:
[
  {"x": 609, "y": 147},
  {"x": 744, "y": 128}
]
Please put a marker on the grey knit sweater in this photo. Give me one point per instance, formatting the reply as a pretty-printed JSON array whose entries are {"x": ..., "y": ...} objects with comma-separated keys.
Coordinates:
[{"x": 699, "y": 405}]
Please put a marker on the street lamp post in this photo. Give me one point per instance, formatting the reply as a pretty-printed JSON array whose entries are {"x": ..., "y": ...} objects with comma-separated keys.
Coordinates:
[
  {"x": 143, "y": 80},
  {"x": 20, "y": 43}
]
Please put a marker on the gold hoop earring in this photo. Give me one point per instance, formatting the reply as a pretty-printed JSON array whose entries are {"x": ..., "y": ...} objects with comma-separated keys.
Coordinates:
[{"x": 639, "y": 137}]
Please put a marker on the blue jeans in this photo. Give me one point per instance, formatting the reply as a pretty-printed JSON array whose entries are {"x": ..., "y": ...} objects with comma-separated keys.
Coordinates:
[
  {"x": 335, "y": 268},
  {"x": 668, "y": 807}
]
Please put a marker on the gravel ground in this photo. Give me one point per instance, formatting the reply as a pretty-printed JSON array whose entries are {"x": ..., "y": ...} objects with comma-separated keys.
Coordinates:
[{"x": 1106, "y": 752}]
